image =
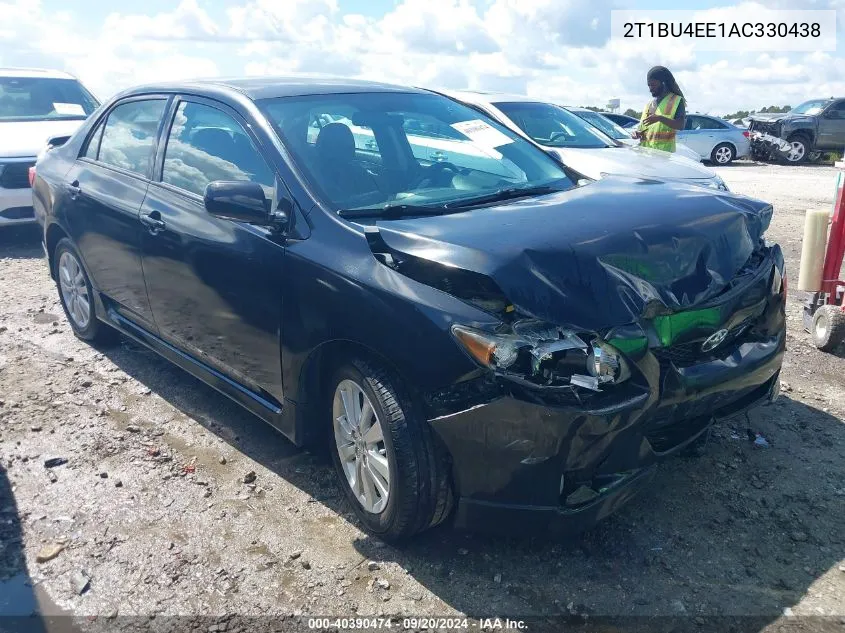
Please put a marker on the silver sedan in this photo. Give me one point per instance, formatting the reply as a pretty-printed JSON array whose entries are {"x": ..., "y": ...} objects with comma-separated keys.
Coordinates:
[{"x": 714, "y": 139}]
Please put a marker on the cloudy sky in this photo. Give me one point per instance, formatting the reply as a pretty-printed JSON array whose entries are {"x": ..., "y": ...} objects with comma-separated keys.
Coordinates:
[{"x": 555, "y": 49}]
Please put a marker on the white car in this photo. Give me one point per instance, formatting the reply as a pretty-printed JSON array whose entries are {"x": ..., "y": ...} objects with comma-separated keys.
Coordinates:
[
  {"x": 35, "y": 105},
  {"x": 619, "y": 133},
  {"x": 583, "y": 147}
]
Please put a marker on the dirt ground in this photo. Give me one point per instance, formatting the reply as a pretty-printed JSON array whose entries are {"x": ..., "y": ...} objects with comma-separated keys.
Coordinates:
[{"x": 151, "y": 515}]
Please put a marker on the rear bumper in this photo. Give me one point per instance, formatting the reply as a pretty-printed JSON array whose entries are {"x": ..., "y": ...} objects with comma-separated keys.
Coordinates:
[
  {"x": 16, "y": 207},
  {"x": 743, "y": 147}
]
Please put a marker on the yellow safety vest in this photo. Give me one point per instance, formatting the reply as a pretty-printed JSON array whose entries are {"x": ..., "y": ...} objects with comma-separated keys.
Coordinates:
[{"x": 659, "y": 135}]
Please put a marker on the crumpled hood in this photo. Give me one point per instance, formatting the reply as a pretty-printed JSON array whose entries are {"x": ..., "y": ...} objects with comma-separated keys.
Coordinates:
[
  {"x": 597, "y": 256},
  {"x": 27, "y": 138},
  {"x": 769, "y": 117},
  {"x": 633, "y": 161}
]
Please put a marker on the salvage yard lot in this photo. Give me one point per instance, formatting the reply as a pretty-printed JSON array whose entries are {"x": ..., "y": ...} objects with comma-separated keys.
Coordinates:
[{"x": 153, "y": 511}]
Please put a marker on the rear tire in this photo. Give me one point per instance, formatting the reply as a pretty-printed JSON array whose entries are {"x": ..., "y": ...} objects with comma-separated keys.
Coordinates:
[
  {"x": 800, "y": 149},
  {"x": 77, "y": 295},
  {"x": 723, "y": 154},
  {"x": 417, "y": 494},
  {"x": 828, "y": 327}
]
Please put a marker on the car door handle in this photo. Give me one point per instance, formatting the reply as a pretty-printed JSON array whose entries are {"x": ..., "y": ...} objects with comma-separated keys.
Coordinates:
[
  {"x": 74, "y": 189},
  {"x": 153, "y": 222}
]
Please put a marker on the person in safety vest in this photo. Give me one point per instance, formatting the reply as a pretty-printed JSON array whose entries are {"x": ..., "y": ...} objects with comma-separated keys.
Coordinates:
[{"x": 665, "y": 114}]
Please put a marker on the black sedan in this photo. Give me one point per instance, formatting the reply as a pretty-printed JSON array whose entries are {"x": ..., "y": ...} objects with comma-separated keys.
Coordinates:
[{"x": 476, "y": 332}]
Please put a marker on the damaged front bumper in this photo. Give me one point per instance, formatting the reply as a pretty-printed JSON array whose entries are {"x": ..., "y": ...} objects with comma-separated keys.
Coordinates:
[
  {"x": 534, "y": 461},
  {"x": 768, "y": 146}
]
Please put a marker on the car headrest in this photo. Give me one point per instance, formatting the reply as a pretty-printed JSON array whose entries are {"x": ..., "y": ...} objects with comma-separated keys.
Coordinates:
[
  {"x": 336, "y": 143},
  {"x": 214, "y": 141}
]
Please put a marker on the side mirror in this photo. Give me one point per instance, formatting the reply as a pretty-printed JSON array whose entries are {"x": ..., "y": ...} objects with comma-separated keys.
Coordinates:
[
  {"x": 57, "y": 141},
  {"x": 242, "y": 201}
]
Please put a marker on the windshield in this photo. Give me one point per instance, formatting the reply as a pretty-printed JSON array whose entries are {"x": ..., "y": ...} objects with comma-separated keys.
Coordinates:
[
  {"x": 604, "y": 124},
  {"x": 553, "y": 126},
  {"x": 418, "y": 152},
  {"x": 37, "y": 98},
  {"x": 810, "y": 107}
]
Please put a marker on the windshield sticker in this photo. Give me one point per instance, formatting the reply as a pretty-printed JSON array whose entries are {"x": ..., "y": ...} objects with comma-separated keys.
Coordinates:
[
  {"x": 482, "y": 133},
  {"x": 69, "y": 108}
]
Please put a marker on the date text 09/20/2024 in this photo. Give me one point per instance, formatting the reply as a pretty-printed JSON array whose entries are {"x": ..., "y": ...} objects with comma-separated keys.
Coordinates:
[{"x": 449, "y": 624}]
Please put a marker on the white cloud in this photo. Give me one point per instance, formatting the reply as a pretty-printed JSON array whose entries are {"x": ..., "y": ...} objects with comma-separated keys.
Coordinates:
[{"x": 556, "y": 49}]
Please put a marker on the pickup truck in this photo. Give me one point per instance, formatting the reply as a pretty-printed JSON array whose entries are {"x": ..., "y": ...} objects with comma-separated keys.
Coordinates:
[{"x": 804, "y": 133}]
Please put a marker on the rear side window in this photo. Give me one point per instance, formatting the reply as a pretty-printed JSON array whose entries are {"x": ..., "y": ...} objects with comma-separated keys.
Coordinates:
[
  {"x": 704, "y": 123},
  {"x": 93, "y": 146},
  {"x": 206, "y": 144},
  {"x": 129, "y": 135}
]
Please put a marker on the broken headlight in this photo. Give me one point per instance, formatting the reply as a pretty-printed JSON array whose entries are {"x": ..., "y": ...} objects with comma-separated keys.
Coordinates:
[{"x": 545, "y": 354}]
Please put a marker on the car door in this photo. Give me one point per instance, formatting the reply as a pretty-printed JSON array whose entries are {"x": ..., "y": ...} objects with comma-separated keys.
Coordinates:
[
  {"x": 215, "y": 286},
  {"x": 106, "y": 187},
  {"x": 832, "y": 127},
  {"x": 696, "y": 136}
]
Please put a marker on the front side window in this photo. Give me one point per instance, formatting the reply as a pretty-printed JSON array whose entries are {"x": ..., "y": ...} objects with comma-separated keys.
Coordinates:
[
  {"x": 837, "y": 110},
  {"x": 373, "y": 151},
  {"x": 130, "y": 133},
  {"x": 206, "y": 144},
  {"x": 42, "y": 99},
  {"x": 553, "y": 126}
]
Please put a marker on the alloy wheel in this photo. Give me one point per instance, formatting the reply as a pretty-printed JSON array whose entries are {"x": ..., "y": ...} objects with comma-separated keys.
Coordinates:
[
  {"x": 723, "y": 155},
  {"x": 74, "y": 289},
  {"x": 796, "y": 151},
  {"x": 360, "y": 445}
]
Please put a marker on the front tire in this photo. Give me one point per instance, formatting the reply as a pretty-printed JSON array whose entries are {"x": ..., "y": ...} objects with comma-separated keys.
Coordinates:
[
  {"x": 723, "y": 154},
  {"x": 389, "y": 463},
  {"x": 77, "y": 295}
]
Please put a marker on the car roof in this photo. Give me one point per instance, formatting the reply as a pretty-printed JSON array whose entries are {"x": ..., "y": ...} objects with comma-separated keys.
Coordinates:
[
  {"x": 709, "y": 116},
  {"x": 271, "y": 87},
  {"x": 32, "y": 73}
]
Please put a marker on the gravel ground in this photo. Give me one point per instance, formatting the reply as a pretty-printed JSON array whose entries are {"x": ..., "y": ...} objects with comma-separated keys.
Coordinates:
[{"x": 151, "y": 513}]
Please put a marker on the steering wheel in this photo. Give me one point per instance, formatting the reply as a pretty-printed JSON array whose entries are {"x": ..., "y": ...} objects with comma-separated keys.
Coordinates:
[
  {"x": 437, "y": 172},
  {"x": 557, "y": 135}
]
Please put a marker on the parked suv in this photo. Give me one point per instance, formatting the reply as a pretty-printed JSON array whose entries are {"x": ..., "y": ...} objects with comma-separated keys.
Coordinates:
[
  {"x": 35, "y": 105},
  {"x": 487, "y": 341},
  {"x": 803, "y": 133}
]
